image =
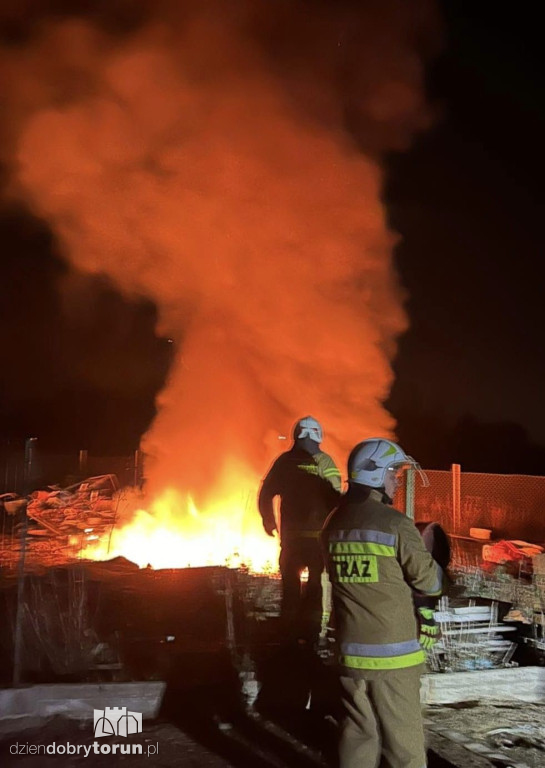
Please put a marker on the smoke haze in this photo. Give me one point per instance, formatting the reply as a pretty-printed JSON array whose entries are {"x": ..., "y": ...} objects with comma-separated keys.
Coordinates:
[{"x": 206, "y": 160}]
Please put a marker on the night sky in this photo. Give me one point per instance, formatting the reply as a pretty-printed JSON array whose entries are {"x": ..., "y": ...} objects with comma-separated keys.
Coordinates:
[{"x": 465, "y": 198}]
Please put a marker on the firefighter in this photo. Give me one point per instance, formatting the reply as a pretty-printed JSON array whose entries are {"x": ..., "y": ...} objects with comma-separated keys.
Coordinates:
[
  {"x": 308, "y": 484},
  {"x": 376, "y": 559}
]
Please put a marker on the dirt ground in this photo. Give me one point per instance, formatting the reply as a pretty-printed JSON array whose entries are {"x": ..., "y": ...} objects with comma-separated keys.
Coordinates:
[
  {"x": 516, "y": 730},
  {"x": 163, "y": 745}
]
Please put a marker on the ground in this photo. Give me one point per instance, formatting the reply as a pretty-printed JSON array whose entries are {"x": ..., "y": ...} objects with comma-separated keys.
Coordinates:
[
  {"x": 165, "y": 745},
  {"x": 514, "y": 729}
]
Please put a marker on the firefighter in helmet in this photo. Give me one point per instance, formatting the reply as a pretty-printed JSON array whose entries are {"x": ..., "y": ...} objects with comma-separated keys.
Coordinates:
[
  {"x": 308, "y": 484},
  {"x": 377, "y": 560}
]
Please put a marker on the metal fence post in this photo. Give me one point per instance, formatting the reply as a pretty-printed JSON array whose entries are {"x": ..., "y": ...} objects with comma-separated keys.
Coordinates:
[
  {"x": 137, "y": 466},
  {"x": 82, "y": 462},
  {"x": 409, "y": 494},
  {"x": 30, "y": 444},
  {"x": 456, "y": 498}
]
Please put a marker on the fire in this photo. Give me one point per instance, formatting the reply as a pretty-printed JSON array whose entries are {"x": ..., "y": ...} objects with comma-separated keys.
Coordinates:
[
  {"x": 172, "y": 532},
  {"x": 228, "y": 168}
]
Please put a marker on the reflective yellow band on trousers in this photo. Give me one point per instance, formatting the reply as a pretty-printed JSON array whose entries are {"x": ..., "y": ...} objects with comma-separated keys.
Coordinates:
[
  {"x": 361, "y": 548},
  {"x": 389, "y": 662}
]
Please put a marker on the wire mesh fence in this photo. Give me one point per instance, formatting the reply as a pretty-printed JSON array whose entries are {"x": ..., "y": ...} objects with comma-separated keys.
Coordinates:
[
  {"x": 510, "y": 506},
  {"x": 65, "y": 469}
]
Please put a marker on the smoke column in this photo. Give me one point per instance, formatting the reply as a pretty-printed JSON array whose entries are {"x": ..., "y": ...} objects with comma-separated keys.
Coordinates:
[{"x": 224, "y": 161}]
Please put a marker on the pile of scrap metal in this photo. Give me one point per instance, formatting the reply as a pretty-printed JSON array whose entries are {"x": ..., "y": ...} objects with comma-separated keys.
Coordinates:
[
  {"x": 471, "y": 638},
  {"x": 471, "y": 635},
  {"x": 86, "y": 507}
]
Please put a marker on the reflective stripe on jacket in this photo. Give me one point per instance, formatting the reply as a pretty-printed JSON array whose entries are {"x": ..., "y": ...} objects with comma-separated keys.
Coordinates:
[
  {"x": 308, "y": 487},
  {"x": 376, "y": 557}
]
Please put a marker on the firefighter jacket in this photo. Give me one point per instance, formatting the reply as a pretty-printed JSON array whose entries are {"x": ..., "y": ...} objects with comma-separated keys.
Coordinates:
[
  {"x": 309, "y": 488},
  {"x": 376, "y": 557}
]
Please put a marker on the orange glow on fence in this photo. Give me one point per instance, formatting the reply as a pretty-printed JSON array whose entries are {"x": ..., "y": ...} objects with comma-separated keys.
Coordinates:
[{"x": 171, "y": 532}]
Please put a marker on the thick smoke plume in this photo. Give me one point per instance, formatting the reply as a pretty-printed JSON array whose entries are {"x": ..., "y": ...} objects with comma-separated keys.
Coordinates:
[{"x": 224, "y": 161}]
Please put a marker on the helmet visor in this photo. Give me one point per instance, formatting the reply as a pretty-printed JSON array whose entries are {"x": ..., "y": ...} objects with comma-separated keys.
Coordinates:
[{"x": 399, "y": 468}]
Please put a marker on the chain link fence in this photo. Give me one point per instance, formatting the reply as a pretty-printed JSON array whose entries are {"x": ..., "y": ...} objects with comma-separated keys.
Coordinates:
[
  {"x": 511, "y": 506},
  {"x": 65, "y": 469},
  {"x": 508, "y": 507}
]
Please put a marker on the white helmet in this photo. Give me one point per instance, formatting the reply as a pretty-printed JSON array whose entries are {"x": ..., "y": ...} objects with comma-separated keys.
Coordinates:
[
  {"x": 370, "y": 460},
  {"x": 308, "y": 427}
]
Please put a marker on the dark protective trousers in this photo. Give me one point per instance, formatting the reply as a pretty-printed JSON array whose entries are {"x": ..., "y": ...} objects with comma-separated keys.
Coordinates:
[
  {"x": 382, "y": 723},
  {"x": 302, "y": 603}
]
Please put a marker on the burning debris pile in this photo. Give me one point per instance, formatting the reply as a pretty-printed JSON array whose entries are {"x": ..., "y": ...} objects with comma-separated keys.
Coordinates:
[
  {"x": 88, "y": 507},
  {"x": 60, "y": 522},
  {"x": 96, "y": 520}
]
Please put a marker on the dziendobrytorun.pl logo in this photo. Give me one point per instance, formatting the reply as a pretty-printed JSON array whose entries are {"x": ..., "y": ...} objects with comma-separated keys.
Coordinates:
[
  {"x": 111, "y": 721},
  {"x": 116, "y": 721}
]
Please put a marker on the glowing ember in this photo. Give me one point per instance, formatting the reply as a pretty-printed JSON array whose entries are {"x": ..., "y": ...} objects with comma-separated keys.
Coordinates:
[{"x": 173, "y": 533}]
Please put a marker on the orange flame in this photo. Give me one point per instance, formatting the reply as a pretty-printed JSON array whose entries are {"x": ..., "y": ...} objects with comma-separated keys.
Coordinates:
[
  {"x": 173, "y": 533},
  {"x": 207, "y": 162}
]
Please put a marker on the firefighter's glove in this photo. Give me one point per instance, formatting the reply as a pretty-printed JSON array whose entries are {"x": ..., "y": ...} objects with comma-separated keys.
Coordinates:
[{"x": 428, "y": 629}]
